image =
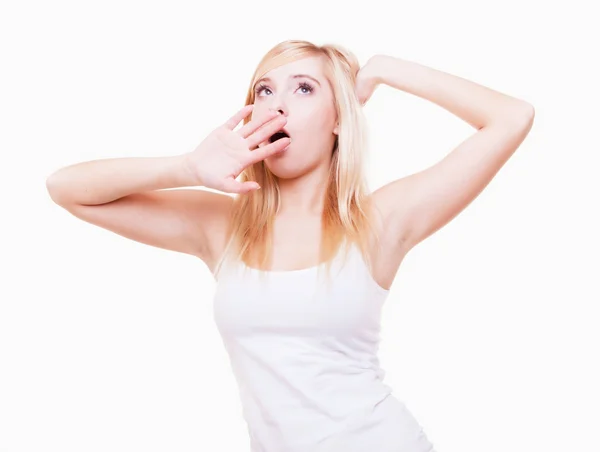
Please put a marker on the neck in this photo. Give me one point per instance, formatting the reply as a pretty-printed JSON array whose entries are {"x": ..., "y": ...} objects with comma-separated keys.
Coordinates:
[{"x": 304, "y": 195}]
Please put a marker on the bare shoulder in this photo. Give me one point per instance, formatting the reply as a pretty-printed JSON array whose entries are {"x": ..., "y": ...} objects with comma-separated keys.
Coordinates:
[{"x": 388, "y": 252}]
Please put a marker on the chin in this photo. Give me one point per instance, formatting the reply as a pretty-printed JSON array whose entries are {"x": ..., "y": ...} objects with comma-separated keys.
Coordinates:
[{"x": 284, "y": 168}]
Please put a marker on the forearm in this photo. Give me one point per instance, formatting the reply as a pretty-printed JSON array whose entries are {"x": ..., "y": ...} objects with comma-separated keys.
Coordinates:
[
  {"x": 100, "y": 181},
  {"x": 476, "y": 104}
]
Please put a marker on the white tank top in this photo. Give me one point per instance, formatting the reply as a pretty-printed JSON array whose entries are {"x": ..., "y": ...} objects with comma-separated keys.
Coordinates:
[{"x": 304, "y": 355}]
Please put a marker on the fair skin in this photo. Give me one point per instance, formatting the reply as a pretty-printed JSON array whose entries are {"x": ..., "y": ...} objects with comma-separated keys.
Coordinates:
[
  {"x": 195, "y": 221},
  {"x": 307, "y": 104},
  {"x": 430, "y": 198}
]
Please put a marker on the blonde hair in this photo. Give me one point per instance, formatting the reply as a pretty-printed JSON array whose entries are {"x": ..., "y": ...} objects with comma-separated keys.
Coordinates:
[{"x": 346, "y": 214}]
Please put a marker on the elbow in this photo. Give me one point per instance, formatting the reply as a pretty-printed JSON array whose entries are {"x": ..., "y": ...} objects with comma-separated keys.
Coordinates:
[
  {"x": 528, "y": 112},
  {"x": 524, "y": 112},
  {"x": 54, "y": 189},
  {"x": 528, "y": 116},
  {"x": 519, "y": 115}
]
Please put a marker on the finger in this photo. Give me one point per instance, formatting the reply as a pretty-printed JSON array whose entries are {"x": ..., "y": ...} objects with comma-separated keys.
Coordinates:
[
  {"x": 248, "y": 129},
  {"x": 232, "y": 122},
  {"x": 270, "y": 149},
  {"x": 235, "y": 186},
  {"x": 265, "y": 132}
]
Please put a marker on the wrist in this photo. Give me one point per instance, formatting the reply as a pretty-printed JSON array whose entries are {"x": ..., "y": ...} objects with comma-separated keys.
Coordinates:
[
  {"x": 379, "y": 65},
  {"x": 187, "y": 171},
  {"x": 384, "y": 68}
]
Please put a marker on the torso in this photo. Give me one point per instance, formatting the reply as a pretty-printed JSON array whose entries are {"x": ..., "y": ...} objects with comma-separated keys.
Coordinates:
[{"x": 303, "y": 250}]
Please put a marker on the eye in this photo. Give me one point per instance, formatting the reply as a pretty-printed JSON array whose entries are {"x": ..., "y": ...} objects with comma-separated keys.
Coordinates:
[
  {"x": 260, "y": 88},
  {"x": 307, "y": 87}
]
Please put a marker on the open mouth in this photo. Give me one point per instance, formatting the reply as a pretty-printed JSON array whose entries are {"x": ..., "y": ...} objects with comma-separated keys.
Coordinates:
[{"x": 278, "y": 135}]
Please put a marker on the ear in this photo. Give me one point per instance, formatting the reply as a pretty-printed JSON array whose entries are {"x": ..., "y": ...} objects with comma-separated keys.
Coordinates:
[{"x": 337, "y": 129}]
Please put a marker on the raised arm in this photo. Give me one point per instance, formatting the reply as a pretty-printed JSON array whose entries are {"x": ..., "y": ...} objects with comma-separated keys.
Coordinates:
[
  {"x": 128, "y": 196},
  {"x": 419, "y": 204}
]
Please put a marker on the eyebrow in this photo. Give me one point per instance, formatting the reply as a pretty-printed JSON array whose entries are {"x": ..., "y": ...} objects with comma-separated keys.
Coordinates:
[{"x": 267, "y": 79}]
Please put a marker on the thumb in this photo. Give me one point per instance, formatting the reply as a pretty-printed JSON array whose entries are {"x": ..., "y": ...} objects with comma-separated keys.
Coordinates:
[{"x": 235, "y": 186}]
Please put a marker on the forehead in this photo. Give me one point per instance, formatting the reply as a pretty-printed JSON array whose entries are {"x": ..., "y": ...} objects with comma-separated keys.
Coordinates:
[{"x": 312, "y": 66}]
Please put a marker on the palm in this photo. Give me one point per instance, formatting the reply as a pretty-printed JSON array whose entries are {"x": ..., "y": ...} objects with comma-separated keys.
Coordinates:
[
  {"x": 234, "y": 153},
  {"x": 226, "y": 152}
]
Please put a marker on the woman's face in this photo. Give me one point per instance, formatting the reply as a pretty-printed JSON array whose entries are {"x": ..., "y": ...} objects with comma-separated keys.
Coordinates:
[{"x": 301, "y": 92}]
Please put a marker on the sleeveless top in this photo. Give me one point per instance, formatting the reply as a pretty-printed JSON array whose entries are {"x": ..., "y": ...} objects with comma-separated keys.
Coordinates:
[{"x": 303, "y": 352}]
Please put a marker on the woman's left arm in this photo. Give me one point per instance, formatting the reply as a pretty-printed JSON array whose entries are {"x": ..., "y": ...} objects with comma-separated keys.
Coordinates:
[{"x": 416, "y": 206}]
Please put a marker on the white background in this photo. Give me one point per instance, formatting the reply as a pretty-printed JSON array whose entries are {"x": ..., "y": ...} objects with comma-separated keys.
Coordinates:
[{"x": 490, "y": 334}]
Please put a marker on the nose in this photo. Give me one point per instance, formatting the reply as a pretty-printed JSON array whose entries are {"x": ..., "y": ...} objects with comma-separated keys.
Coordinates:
[
  {"x": 277, "y": 105},
  {"x": 278, "y": 110}
]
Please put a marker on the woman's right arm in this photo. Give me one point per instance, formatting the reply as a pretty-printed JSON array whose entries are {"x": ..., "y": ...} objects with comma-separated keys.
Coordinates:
[
  {"x": 98, "y": 182},
  {"x": 128, "y": 196}
]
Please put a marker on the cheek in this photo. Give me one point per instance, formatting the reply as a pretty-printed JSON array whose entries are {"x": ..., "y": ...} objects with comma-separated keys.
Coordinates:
[
  {"x": 325, "y": 118},
  {"x": 317, "y": 121}
]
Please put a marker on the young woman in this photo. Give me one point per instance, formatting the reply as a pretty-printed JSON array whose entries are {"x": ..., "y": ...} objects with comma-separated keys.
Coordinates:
[{"x": 304, "y": 264}]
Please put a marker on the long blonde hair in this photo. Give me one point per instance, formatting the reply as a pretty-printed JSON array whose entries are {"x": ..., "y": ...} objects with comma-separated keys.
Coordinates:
[{"x": 346, "y": 214}]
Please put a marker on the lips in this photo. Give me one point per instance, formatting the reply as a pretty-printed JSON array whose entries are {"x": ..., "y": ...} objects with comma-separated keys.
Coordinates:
[{"x": 278, "y": 135}]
